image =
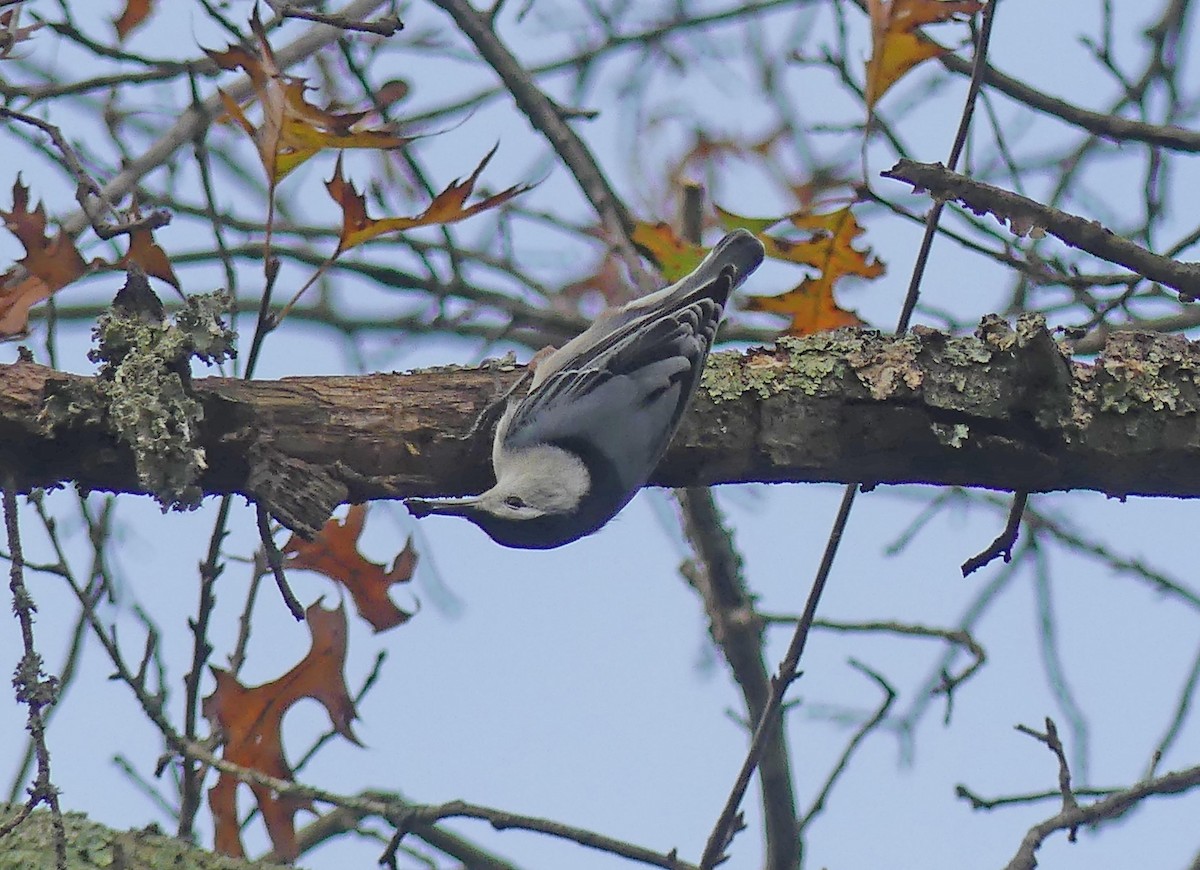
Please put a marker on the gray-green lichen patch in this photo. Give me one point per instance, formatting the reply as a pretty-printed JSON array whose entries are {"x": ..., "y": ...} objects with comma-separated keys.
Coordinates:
[
  {"x": 952, "y": 435},
  {"x": 143, "y": 392},
  {"x": 812, "y": 365},
  {"x": 886, "y": 368},
  {"x": 1157, "y": 372}
]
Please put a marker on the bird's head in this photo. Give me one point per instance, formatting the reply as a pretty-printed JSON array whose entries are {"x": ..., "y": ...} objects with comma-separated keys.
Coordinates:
[{"x": 539, "y": 500}]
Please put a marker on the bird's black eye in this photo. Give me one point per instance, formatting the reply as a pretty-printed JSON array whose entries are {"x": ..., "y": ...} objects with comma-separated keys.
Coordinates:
[{"x": 514, "y": 502}]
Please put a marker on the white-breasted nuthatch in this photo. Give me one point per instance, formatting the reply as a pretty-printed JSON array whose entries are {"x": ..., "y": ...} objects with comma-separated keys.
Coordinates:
[{"x": 601, "y": 410}]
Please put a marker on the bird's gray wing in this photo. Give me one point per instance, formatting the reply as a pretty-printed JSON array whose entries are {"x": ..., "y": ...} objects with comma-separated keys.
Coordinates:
[{"x": 644, "y": 367}]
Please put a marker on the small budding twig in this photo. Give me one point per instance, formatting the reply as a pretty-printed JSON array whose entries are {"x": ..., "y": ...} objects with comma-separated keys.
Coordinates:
[{"x": 1050, "y": 738}]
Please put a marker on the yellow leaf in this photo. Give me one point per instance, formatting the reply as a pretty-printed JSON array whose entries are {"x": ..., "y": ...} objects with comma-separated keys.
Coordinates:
[
  {"x": 896, "y": 44},
  {"x": 674, "y": 256},
  {"x": 810, "y": 305},
  {"x": 292, "y": 129},
  {"x": 829, "y": 248}
]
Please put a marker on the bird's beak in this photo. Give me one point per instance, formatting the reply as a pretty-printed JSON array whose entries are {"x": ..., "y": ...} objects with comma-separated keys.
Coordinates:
[{"x": 455, "y": 507}]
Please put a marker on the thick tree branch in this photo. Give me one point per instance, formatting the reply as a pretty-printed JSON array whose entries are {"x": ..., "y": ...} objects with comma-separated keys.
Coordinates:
[{"x": 1002, "y": 409}]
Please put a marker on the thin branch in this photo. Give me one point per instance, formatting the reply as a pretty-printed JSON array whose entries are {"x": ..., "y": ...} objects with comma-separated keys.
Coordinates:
[
  {"x": 1182, "y": 709},
  {"x": 547, "y": 118},
  {"x": 981, "y": 803},
  {"x": 86, "y": 187},
  {"x": 889, "y": 695},
  {"x": 959, "y": 638},
  {"x": 736, "y": 629},
  {"x": 503, "y": 820},
  {"x": 275, "y": 561},
  {"x": 729, "y": 820},
  {"x": 1107, "y": 809},
  {"x": 1050, "y": 738},
  {"x": 1105, "y": 124},
  {"x": 388, "y": 25},
  {"x": 1002, "y": 547},
  {"x": 34, "y": 688},
  {"x": 979, "y": 64}
]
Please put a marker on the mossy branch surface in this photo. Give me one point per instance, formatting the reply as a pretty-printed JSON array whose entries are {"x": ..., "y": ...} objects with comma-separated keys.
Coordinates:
[{"x": 1005, "y": 408}]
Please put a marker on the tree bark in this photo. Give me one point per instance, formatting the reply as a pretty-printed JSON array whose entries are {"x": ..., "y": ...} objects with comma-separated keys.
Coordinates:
[{"x": 1003, "y": 409}]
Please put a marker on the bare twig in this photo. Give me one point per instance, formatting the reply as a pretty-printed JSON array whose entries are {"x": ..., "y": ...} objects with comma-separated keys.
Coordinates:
[
  {"x": 275, "y": 562},
  {"x": 1108, "y": 125},
  {"x": 86, "y": 187},
  {"x": 210, "y": 569},
  {"x": 728, "y": 821},
  {"x": 34, "y": 688},
  {"x": 737, "y": 631},
  {"x": 981, "y": 803},
  {"x": 1002, "y": 547},
  {"x": 1050, "y": 738},
  {"x": 388, "y": 25},
  {"x": 547, "y": 117},
  {"x": 860, "y": 734},
  {"x": 1107, "y": 809},
  {"x": 1182, "y": 709},
  {"x": 502, "y": 820},
  {"x": 958, "y": 638}
]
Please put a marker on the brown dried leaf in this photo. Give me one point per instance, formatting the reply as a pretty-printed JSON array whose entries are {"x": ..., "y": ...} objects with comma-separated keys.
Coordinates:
[
  {"x": 447, "y": 207},
  {"x": 133, "y": 15},
  {"x": 251, "y": 718},
  {"x": 49, "y": 263},
  {"x": 334, "y": 553}
]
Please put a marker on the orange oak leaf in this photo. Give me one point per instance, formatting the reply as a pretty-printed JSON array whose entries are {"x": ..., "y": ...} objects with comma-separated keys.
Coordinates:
[
  {"x": 674, "y": 256},
  {"x": 292, "y": 129},
  {"x": 447, "y": 207},
  {"x": 334, "y": 553},
  {"x": 145, "y": 253},
  {"x": 11, "y": 32},
  {"x": 810, "y": 305},
  {"x": 896, "y": 43},
  {"x": 251, "y": 718},
  {"x": 134, "y": 13},
  {"x": 49, "y": 264},
  {"x": 829, "y": 248}
]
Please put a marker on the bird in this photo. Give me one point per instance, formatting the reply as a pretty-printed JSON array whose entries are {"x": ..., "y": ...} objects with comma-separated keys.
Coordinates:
[{"x": 571, "y": 452}]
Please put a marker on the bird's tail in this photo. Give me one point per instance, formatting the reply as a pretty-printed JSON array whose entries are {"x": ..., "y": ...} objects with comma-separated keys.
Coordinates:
[{"x": 739, "y": 251}]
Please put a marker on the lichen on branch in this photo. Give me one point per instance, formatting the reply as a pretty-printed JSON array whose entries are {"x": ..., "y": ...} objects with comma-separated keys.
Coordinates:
[{"x": 143, "y": 393}]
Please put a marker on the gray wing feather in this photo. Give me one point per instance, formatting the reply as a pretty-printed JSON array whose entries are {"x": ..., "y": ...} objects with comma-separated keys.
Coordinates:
[
  {"x": 642, "y": 361},
  {"x": 627, "y": 392}
]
